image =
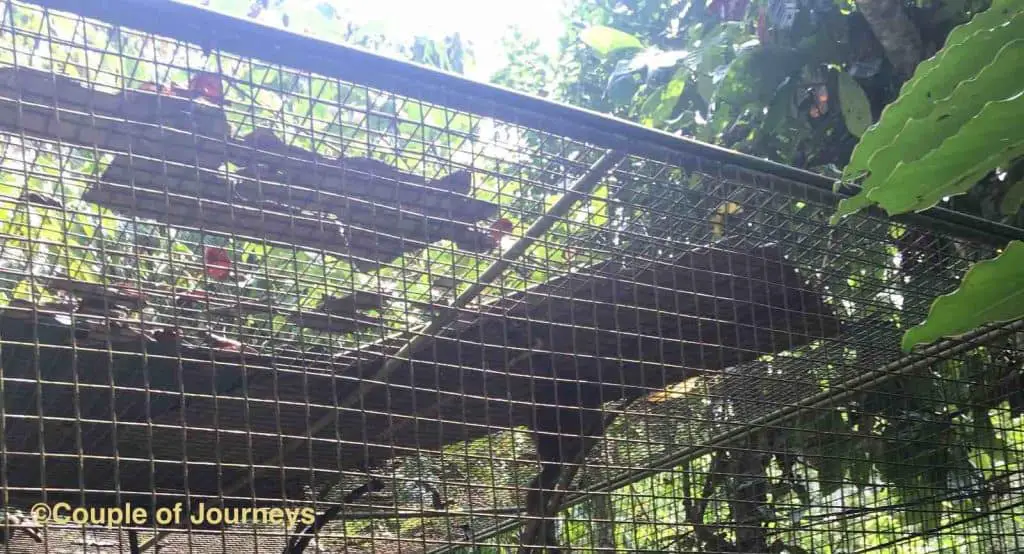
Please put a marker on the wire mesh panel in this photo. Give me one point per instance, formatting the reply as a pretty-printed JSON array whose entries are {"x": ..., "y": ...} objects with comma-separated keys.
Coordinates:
[{"x": 256, "y": 307}]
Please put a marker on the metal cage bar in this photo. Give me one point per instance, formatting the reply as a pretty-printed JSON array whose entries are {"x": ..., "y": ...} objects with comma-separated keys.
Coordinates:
[
  {"x": 313, "y": 295},
  {"x": 377, "y": 71}
]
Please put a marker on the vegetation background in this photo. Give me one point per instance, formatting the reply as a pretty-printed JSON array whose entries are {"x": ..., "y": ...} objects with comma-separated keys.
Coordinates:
[
  {"x": 802, "y": 82},
  {"x": 799, "y": 82}
]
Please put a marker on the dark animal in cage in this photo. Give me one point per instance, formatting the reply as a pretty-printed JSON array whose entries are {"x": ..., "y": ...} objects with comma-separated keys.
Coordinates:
[
  {"x": 101, "y": 408},
  {"x": 102, "y": 405},
  {"x": 96, "y": 411}
]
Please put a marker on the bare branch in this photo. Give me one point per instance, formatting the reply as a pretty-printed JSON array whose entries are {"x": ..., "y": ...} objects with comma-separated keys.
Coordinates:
[{"x": 898, "y": 35}]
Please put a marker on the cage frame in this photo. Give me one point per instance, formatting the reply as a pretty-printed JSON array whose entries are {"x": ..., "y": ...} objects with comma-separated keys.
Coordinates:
[
  {"x": 245, "y": 38},
  {"x": 273, "y": 45}
]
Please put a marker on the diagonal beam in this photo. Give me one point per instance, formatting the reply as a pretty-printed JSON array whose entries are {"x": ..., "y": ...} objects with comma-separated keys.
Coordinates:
[
  {"x": 579, "y": 190},
  {"x": 926, "y": 356}
]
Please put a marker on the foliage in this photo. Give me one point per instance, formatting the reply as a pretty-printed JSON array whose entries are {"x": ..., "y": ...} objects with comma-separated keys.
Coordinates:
[
  {"x": 855, "y": 105},
  {"x": 992, "y": 292},
  {"x": 906, "y": 457},
  {"x": 606, "y": 41},
  {"x": 328, "y": 20},
  {"x": 525, "y": 68},
  {"x": 785, "y": 81},
  {"x": 799, "y": 83},
  {"x": 955, "y": 121},
  {"x": 960, "y": 94},
  {"x": 788, "y": 84},
  {"x": 710, "y": 77}
]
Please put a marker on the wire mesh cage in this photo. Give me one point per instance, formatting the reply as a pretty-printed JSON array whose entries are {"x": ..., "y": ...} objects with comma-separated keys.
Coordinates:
[{"x": 264, "y": 294}]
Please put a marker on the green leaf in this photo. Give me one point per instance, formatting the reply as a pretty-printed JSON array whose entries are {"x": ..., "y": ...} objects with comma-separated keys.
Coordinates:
[
  {"x": 854, "y": 104},
  {"x": 1013, "y": 199},
  {"x": 942, "y": 147},
  {"x": 780, "y": 107},
  {"x": 598, "y": 209},
  {"x": 606, "y": 40},
  {"x": 997, "y": 81},
  {"x": 675, "y": 87},
  {"x": 934, "y": 79},
  {"x": 998, "y": 12},
  {"x": 992, "y": 291},
  {"x": 650, "y": 106},
  {"x": 706, "y": 87},
  {"x": 622, "y": 83},
  {"x": 659, "y": 105},
  {"x": 989, "y": 140}
]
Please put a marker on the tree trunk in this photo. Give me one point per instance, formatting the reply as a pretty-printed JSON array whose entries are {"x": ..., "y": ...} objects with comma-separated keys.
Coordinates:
[
  {"x": 605, "y": 524},
  {"x": 748, "y": 498},
  {"x": 898, "y": 35}
]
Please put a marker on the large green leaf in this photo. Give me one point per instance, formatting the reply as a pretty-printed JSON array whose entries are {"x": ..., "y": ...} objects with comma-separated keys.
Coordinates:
[
  {"x": 991, "y": 139},
  {"x": 971, "y": 47},
  {"x": 854, "y": 104},
  {"x": 928, "y": 119},
  {"x": 997, "y": 81},
  {"x": 998, "y": 11},
  {"x": 992, "y": 292},
  {"x": 606, "y": 40}
]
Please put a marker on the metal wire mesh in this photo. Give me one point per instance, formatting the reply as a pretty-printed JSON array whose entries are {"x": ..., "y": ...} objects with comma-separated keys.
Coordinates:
[{"x": 276, "y": 288}]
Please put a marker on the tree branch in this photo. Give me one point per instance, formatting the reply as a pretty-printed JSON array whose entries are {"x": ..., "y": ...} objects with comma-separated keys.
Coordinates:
[
  {"x": 900, "y": 38},
  {"x": 695, "y": 514}
]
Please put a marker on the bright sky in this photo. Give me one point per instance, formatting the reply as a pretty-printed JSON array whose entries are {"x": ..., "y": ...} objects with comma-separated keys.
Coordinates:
[{"x": 482, "y": 22}]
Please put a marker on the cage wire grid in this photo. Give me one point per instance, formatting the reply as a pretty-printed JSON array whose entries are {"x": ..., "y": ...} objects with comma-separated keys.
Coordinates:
[{"x": 249, "y": 269}]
